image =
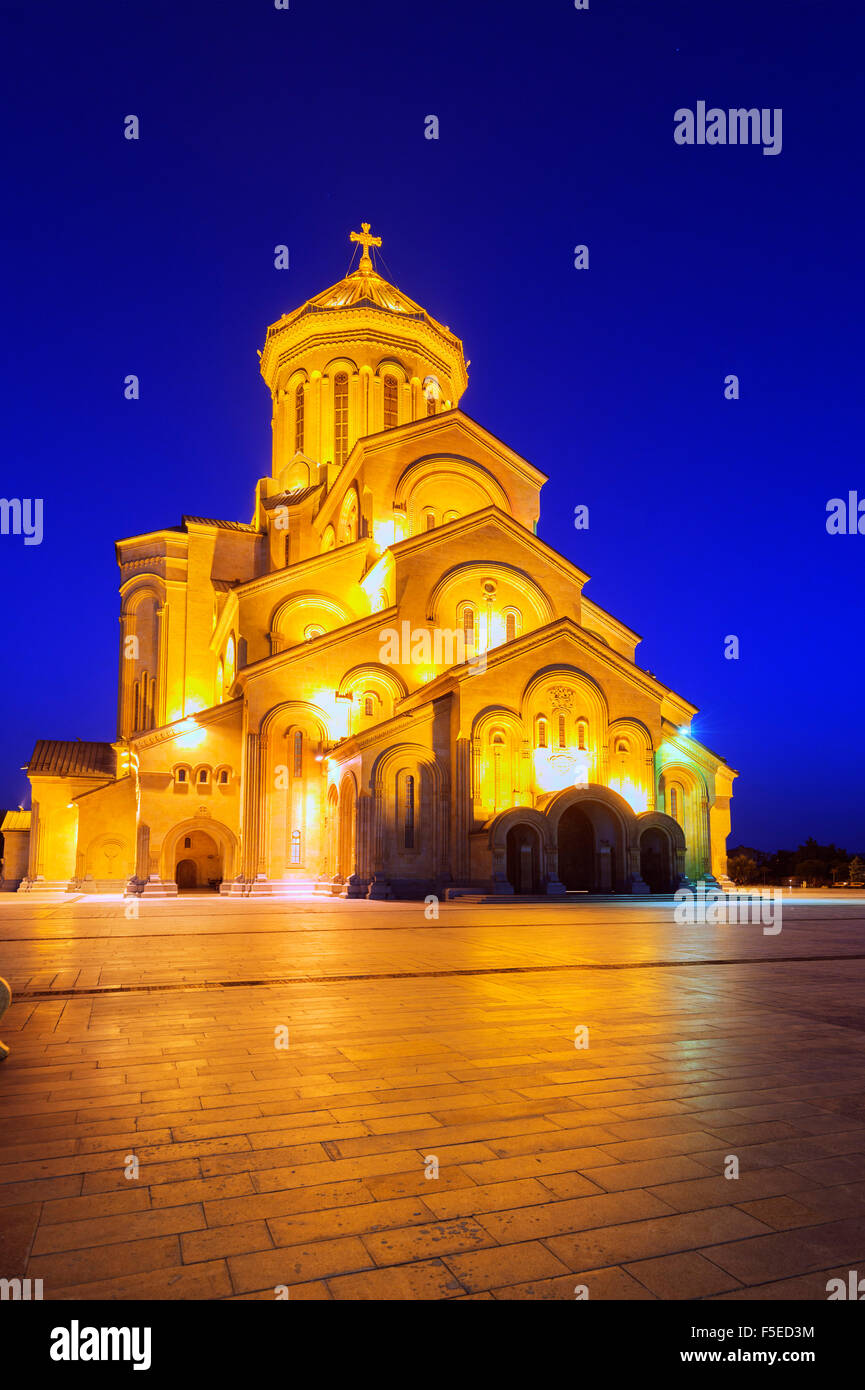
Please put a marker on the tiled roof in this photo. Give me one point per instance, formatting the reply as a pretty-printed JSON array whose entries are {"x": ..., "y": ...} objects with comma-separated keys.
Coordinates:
[
  {"x": 290, "y": 499},
  {"x": 224, "y": 525},
  {"x": 16, "y": 820},
  {"x": 73, "y": 758}
]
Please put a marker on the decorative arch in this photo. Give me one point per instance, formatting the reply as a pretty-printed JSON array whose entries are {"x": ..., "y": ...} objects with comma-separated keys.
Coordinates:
[
  {"x": 348, "y": 526},
  {"x": 294, "y": 615},
  {"x": 292, "y": 711},
  {"x": 225, "y": 839},
  {"x": 632, "y": 769},
  {"x": 497, "y": 827},
  {"x": 531, "y": 594},
  {"x": 500, "y": 772},
  {"x": 109, "y": 857},
  {"x": 561, "y": 801},
  {"x": 456, "y": 466}
]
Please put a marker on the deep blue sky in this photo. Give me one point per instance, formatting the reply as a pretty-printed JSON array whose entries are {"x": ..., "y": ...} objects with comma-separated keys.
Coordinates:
[{"x": 260, "y": 127}]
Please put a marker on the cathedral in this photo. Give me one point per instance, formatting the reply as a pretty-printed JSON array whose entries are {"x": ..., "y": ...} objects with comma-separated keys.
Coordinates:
[{"x": 383, "y": 685}]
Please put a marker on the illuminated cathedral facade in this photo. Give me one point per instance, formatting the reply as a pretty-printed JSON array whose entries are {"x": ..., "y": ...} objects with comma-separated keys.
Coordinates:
[{"x": 384, "y": 684}]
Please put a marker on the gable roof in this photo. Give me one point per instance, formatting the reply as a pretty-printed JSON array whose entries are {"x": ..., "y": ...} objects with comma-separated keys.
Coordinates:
[{"x": 71, "y": 758}]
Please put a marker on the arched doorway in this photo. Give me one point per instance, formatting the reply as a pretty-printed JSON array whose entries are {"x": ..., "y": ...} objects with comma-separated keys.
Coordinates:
[
  {"x": 577, "y": 851},
  {"x": 592, "y": 839},
  {"x": 199, "y": 863},
  {"x": 656, "y": 860},
  {"x": 523, "y": 859},
  {"x": 186, "y": 875},
  {"x": 347, "y": 818}
]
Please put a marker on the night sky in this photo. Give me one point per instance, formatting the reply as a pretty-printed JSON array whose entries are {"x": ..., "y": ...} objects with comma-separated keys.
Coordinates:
[{"x": 260, "y": 126}]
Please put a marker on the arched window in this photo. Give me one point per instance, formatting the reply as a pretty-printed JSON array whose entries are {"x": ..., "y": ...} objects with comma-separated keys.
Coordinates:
[
  {"x": 497, "y": 742},
  {"x": 391, "y": 402},
  {"x": 510, "y": 627},
  {"x": 367, "y": 706},
  {"x": 298, "y": 419},
  {"x": 230, "y": 650},
  {"x": 469, "y": 626},
  {"x": 450, "y": 516},
  {"x": 202, "y": 774},
  {"x": 541, "y": 731},
  {"x": 181, "y": 774},
  {"x": 622, "y": 746},
  {"x": 677, "y": 804},
  {"x": 187, "y": 843},
  {"x": 136, "y": 707},
  {"x": 408, "y": 827},
  {"x": 314, "y": 630},
  {"x": 298, "y": 754},
  {"x": 223, "y": 777},
  {"x": 340, "y": 417},
  {"x": 429, "y": 521},
  {"x": 582, "y": 734},
  {"x": 295, "y": 847},
  {"x": 347, "y": 529},
  {"x": 220, "y": 681},
  {"x": 561, "y": 731}
]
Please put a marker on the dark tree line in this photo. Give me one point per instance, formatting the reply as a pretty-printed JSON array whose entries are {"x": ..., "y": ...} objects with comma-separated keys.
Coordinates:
[{"x": 816, "y": 865}]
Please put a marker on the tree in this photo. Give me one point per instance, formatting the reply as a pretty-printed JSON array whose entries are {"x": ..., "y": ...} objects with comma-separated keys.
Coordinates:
[
  {"x": 742, "y": 869},
  {"x": 857, "y": 872},
  {"x": 812, "y": 870}
]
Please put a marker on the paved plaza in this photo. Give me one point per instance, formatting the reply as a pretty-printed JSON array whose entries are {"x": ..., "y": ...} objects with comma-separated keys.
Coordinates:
[{"x": 224, "y": 1098}]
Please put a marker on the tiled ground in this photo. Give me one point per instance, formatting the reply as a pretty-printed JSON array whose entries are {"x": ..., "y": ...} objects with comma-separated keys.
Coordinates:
[{"x": 412, "y": 1041}]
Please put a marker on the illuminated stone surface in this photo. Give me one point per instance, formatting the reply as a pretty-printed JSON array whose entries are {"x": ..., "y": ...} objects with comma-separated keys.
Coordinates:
[
  {"x": 412, "y": 1039},
  {"x": 384, "y": 683}
]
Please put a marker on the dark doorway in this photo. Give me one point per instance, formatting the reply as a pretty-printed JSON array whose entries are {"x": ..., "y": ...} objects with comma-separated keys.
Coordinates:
[
  {"x": 655, "y": 861},
  {"x": 523, "y": 858},
  {"x": 577, "y": 851},
  {"x": 186, "y": 876}
]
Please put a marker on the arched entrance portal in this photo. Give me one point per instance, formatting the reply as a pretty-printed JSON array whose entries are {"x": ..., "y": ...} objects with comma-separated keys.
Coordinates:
[
  {"x": 199, "y": 863},
  {"x": 656, "y": 860},
  {"x": 591, "y": 851},
  {"x": 523, "y": 854}
]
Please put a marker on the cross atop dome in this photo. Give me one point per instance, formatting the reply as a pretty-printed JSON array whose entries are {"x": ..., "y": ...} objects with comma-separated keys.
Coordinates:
[{"x": 366, "y": 242}]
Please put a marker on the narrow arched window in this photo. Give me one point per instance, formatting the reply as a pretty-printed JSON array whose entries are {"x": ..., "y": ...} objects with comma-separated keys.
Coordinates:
[
  {"x": 408, "y": 828},
  {"x": 136, "y": 707},
  {"x": 298, "y": 419},
  {"x": 429, "y": 521},
  {"x": 367, "y": 707},
  {"x": 298, "y": 753},
  {"x": 581, "y": 735},
  {"x": 181, "y": 774},
  {"x": 391, "y": 402},
  {"x": 187, "y": 843},
  {"x": 469, "y": 624},
  {"x": 674, "y": 803},
  {"x": 561, "y": 731},
  {"x": 223, "y": 778},
  {"x": 542, "y": 732},
  {"x": 510, "y": 627},
  {"x": 220, "y": 681},
  {"x": 295, "y": 847},
  {"x": 340, "y": 417},
  {"x": 202, "y": 774}
]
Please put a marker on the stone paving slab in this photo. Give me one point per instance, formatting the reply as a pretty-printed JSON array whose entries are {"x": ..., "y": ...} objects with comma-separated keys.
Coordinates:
[{"x": 431, "y": 1131}]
